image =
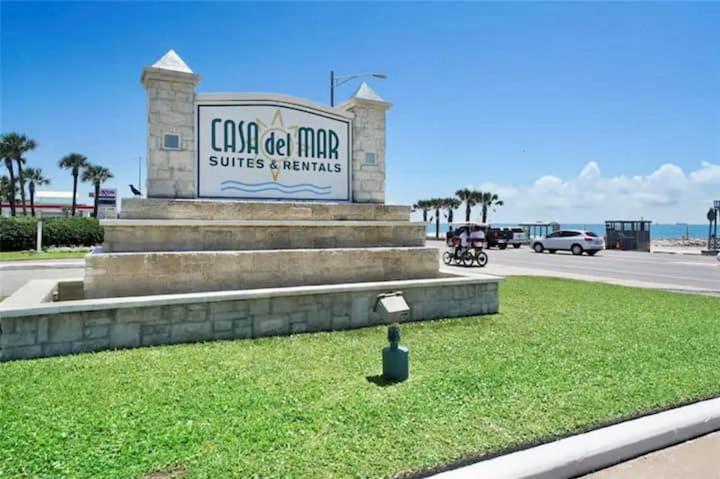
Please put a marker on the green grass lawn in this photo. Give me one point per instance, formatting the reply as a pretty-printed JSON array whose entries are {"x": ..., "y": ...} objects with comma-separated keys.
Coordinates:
[
  {"x": 26, "y": 255},
  {"x": 562, "y": 356}
]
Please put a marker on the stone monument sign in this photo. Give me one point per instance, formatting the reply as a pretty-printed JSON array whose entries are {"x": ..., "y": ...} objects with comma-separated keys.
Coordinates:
[
  {"x": 260, "y": 146},
  {"x": 208, "y": 255}
]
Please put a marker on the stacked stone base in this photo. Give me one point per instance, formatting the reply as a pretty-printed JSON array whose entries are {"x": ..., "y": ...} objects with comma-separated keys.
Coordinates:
[
  {"x": 224, "y": 235},
  {"x": 330, "y": 263},
  {"x": 53, "y": 329},
  {"x": 141, "y": 274},
  {"x": 178, "y": 209},
  {"x": 230, "y": 245}
]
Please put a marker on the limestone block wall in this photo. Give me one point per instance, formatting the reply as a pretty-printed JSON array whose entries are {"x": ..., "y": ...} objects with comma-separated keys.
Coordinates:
[
  {"x": 189, "y": 235},
  {"x": 84, "y": 326},
  {"x": 171, "y": 97},
  {"x": 139, "y": 274},
  {"x": 158, "y": 208},
  {"x": 368, "y": 177}
]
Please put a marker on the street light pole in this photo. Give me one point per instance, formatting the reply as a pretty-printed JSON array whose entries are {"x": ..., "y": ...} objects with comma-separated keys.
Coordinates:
[{"x": 336, "y": 81}]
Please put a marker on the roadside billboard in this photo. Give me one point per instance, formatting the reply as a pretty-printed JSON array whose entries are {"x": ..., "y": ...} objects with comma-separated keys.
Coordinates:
[{"x": 107, "y": 196}]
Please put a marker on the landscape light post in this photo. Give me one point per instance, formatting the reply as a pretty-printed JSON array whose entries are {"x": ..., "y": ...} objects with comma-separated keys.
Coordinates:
[{"x": 337, "y": 80}]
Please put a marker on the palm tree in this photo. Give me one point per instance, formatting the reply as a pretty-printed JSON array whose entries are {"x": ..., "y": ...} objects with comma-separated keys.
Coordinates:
[
  {"x": 5, "y": 155},
  {"x": 451, "y": 204},
  {"x": 470, "y": 197},
  {"x": 73, "y": 162},
  {"x": 96, "y": 175},
  {"x": 489, "y": 200},
  {"x": 15, "y": 146},
  {"x": 34, "y": 177},
  {"x": 424, "y": 206},
  {"x": 437, "y": 204},
  {"x": 6, "y": 191}
]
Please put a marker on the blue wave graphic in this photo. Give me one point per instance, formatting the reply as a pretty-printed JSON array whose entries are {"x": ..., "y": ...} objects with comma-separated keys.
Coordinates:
[
  {"x": 273, "y": 183},
  {"x": 275, "y": 188}
]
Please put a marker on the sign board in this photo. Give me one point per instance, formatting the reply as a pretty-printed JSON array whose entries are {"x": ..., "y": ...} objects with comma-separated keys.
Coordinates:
[
  {"x": 268, "y": 150},
  {"x": 716, "y": 203},
  {"x": 107, "y": 196},
  {"x": 107, "y": 212}
]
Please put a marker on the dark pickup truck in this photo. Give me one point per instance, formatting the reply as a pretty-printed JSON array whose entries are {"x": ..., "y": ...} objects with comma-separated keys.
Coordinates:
[{"x": 500, "y": 237}]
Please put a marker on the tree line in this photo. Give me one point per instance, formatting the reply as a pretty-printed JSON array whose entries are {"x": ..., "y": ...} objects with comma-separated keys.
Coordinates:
[
  {"x": 485, "y": 199},
  {"x": 14, "y": 147}
]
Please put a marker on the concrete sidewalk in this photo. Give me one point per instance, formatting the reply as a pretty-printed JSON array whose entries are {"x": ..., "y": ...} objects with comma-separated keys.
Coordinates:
[
  {"x": 695, "y": 459},
  {"x": 44, "y": 264},
  {"x": 599, "y": 449}
]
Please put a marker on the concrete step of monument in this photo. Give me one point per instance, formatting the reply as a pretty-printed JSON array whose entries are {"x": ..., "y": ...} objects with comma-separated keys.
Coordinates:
[
  {"x": 140, "y": 274},
  {"x": 219, "y": 235},
  {"x": 157, "y": 208}
]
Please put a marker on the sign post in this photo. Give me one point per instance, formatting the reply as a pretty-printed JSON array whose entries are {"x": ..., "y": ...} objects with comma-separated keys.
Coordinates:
[{"x": 38, "y": 237}]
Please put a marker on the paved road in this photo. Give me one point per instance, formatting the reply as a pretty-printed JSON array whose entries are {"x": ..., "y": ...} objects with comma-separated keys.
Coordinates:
[
  {"x": 16, "y": 273},
  {"x": 662, "y": 271},
  {"x": 696, "y": 459}
]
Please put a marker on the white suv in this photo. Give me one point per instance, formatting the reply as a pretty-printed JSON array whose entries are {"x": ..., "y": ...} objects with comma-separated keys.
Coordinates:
[
  {"x": 519, "y": 237},
  {"x": 577, "y": 241}
]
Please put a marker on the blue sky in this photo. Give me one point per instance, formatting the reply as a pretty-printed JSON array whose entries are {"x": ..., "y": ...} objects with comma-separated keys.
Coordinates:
[{"x": 572, "y": 112}]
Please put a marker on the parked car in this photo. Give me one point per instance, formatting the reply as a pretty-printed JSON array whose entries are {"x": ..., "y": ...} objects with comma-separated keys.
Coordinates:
[
  {"x": 576, "y": 241},
  {"x": 518, "y": 236}
]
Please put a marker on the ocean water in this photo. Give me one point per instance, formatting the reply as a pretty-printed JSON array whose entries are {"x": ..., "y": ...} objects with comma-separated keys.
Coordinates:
[{"x": 657, "y": 231}]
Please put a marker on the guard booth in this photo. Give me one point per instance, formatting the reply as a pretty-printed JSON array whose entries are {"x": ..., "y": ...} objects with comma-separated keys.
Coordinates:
[
  {"x": 539, "y": 229},
  {"x": 627, "y": 235}
]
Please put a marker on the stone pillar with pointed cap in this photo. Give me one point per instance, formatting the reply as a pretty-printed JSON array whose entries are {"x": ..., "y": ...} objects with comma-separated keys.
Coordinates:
[
  {"x": 368, "y": 137},
  {"x": 170, "y": 86}
]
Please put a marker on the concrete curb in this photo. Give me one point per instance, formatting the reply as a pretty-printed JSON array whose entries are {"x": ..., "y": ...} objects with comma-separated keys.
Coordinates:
[
  {"x": 686, "y": 253},
  {"x": 594, "y": 450},
  {"x": 57, "y": 264}
]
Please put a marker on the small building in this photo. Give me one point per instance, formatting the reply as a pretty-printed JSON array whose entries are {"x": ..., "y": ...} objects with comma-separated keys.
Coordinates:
[
  {"x": 50, "y": 204},
  {"x": 539, "y": 229},
  {"x": 627, "y": 235}
]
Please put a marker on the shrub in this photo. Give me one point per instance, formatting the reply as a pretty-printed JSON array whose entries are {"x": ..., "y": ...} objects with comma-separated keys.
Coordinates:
[{"x": 17, "y": 234}]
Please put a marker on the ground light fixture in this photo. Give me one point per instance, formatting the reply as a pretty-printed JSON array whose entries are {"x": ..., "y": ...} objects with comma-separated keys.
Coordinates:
[
  {"x": 395, "y": 358},
  {"x": 337, "y": 80},
  {"x": 393, "y": 306}
]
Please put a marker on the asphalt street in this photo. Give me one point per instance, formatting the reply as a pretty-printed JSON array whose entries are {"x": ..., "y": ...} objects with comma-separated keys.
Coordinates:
[{"x": 672, "y": 272}]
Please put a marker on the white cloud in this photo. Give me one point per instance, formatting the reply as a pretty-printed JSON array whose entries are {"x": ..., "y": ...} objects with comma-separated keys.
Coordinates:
[
  {"x": 667, "y": 194},
  {"x": 590, "y": 172},
  {"x": 708, "y": 174}
]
